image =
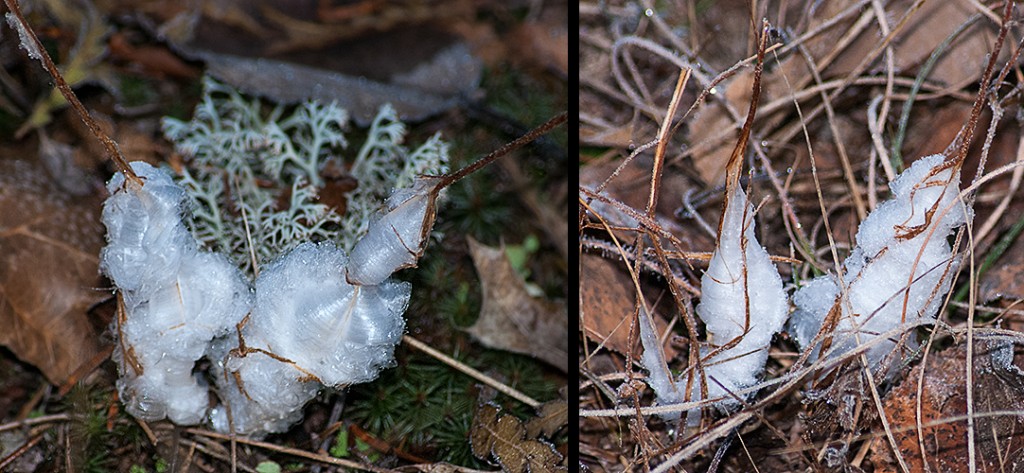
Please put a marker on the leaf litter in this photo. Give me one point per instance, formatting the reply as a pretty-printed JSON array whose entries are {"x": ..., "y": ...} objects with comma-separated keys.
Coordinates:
[
  {"x": 49, "y": 247},
  {"x": 114, "y": 419},
  {"x": 511, "y": 319},
  {"x": 841, "y": 417}
]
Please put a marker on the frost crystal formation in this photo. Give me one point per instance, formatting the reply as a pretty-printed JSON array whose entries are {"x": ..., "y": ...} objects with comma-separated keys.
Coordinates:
[
  {"x": 308, "y": 328},
  {"x": 742, "y": 305},
  {"x": 899, "y": 272},
  {"x": 273, "y": 339},
  {"x": 176, "y": 299}
]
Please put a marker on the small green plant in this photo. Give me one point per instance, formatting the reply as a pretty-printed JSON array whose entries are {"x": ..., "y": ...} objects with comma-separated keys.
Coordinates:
[
  {"x": 340, "y": 447},
  {"x": 268, "y": 467}
]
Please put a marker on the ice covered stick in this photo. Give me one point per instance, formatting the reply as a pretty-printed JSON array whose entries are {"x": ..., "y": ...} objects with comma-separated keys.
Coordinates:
[
  {"x": 899, "y": 271},
  {"x": 176, "y": 299},
  {"x": 396, "y": 240},
  {"x": 309, "y": 327},
  {"x": 742, "y": 305},
  {"x": 742, "y": 301}
]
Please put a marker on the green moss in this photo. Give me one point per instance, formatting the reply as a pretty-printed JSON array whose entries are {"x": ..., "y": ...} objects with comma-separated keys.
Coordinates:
[
  {"x": 427, "y": 407},
  {"x": 92, "y": 444},
  {"x": 477, "y": 206}
]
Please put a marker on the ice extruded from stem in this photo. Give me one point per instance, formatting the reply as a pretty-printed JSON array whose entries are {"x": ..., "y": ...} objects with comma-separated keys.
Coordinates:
[
  {"x": 742, "y": 305},
  {"x": 309, "y": 327},
  {"x": 397, "y": 238},
  {"x": 304, "y": 327},
  {"x": 898, "y": 274},
  {"x": 176, "y": 298}
]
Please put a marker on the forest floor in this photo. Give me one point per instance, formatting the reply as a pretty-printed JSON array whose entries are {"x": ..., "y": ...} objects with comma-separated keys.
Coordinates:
[
  {"x": 133, "y": 64},
  {"x": 852, "y": 93}
]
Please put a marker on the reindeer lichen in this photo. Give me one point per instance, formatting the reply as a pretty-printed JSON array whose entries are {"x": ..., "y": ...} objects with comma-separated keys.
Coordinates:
[{"x": 253, "y": 172}]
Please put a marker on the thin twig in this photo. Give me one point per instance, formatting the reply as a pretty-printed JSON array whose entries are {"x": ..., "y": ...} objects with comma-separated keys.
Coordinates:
[
  {"x": 663, "y": 137},
  {"x": 113, "y": 151},
  {"x": 513, "y": 145},
  {"x": 290, "y": 451},
  {"x": 483, "y": 378},
  {"x": 35, "y": 421}
]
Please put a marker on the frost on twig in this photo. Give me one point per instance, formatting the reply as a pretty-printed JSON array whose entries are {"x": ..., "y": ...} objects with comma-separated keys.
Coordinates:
[
  {"x": 742, "y": 305},
  {"x": 176, "y": 299},
  {"x": 897, "y": 275}
]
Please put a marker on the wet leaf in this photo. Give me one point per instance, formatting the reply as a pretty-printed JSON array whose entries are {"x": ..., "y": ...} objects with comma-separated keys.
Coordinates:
[
  {"x": 504, "y": 438},
  {"x": 49, "y": 242},
  {"x": 511, "y": 319}
]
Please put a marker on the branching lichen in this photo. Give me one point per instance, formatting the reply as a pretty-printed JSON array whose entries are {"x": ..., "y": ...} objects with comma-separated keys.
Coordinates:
[{"x": 253, "y": 173}]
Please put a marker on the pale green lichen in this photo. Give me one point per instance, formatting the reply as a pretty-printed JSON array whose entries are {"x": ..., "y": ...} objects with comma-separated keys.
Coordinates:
[{"x": 253, "y": 172}]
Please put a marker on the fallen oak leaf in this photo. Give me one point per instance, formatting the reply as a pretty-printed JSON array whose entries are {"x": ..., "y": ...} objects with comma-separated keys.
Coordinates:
[
  {"x": 504, "y": 437},
  {"x": 513, "y": 320},
  {"x": 48, "y": 267},
  {"x": 552, "y": 416}
]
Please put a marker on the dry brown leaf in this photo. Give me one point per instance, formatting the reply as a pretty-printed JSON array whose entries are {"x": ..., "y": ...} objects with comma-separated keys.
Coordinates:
[
  {"x": 542, "y": 44},
  {"x": 998, "y": 386},
  {"x": 929, "y": 26},
  {"x": 606, "y": 306},
  {"x": 552, "y": 416},
  {"x": 505, "y": 439},
  {"x": 49, "y": 244},
  {"x": 511, "y": 319}
]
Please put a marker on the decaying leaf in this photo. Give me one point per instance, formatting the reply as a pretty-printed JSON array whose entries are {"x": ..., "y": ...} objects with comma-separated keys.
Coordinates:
[
  {"x": 288, "y": 82},
  {"x": 275, "y": 50},
  {"x": 552, "y": 416},
  {"x": 49, "y": 242},
  {"x": 998, "y": 389},
  {"x": 504, "y": 438},
  {"x": 606, "y": 306},
  {"x": 511, "y": 319},
  {"x": 927, "y": 27}
]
